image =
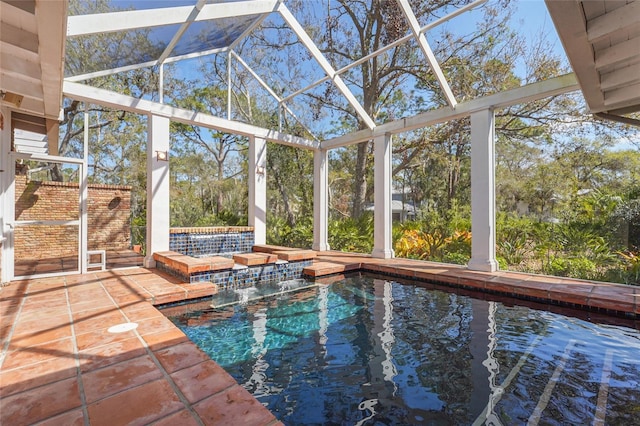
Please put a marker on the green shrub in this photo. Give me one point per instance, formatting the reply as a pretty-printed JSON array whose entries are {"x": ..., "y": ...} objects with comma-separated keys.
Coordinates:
[
  {"x": 577, "y": 267},
  {"x": 456, "y": 258},
  {"x": 352, "y": 235}
]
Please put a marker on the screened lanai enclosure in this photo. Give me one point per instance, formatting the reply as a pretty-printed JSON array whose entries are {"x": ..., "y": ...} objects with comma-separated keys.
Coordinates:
[{"x": 92, "y": 91}]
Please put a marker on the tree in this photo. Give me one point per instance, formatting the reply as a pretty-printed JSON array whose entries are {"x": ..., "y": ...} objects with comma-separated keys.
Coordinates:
[
  {"x": 290, "y": 176},
  {"x": 346, "y": 31},
  {"x": 206, "y": 143}
]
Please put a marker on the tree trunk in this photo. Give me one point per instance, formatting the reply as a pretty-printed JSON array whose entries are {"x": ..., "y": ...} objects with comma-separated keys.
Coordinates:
[
  {"x": 360, "y": 180},
  {"x": 219, "y": 186},
  {"x": 56, "y": 174},
  {"x": 291, "y": 218}
]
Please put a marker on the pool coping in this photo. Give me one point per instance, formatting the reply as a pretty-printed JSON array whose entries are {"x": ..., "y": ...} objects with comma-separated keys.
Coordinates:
[
  {"x": 69, "y": 369},
  {"x": 603, "y": 297}
]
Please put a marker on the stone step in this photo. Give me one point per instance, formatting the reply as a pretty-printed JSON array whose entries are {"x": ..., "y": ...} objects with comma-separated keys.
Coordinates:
[
  {"x": 268, "y": 248},
  {"x": 293, "y": 255},
  {"x": 253, "y": 259},
  {"x": 187, "y": 265},
  {"x": 320, "y": 269}
]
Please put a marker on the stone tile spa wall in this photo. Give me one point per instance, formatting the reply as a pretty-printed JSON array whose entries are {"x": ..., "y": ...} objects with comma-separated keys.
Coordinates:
[
  {"x": 240, "y": 277},
  {"x": 210, "y": 241},
  {"x": 244, "y": 276}
]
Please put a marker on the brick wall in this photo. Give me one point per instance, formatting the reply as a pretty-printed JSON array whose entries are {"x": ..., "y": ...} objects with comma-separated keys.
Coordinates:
[{"x": 108, "y": 218}]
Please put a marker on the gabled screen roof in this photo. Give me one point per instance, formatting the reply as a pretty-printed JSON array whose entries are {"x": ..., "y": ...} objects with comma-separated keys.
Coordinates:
[{"x": 300, "y": 72}]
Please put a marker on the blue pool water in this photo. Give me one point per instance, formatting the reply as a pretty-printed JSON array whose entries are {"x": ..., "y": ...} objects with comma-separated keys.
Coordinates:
[{"x": 368, "y": 351}]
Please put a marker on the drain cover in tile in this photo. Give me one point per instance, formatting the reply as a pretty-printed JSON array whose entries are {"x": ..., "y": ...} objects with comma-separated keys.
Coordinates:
[{"x": 121, "y": 328}]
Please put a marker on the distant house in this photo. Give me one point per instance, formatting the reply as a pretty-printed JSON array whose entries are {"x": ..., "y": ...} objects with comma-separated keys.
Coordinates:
[{"x": 400, "y": 210}]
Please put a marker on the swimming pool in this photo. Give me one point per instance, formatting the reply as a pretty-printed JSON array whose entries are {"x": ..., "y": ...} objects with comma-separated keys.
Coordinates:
[{"x": 370, "y": 351}]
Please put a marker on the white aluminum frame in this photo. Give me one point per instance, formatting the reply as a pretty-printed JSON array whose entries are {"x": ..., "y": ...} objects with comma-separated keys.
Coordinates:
[
  {"x": 80, "y": 25},
  {"x": 185, "y": 15},
  {"x": 80, "y": 222},
  {"x": 115, "y": 100},
  {"x": 528, "y": 93}
]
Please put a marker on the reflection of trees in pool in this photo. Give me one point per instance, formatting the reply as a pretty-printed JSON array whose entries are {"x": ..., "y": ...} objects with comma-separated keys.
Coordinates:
[
  {"x": 575, "y": 396},
  {"x": 624, "y": 394},
  {"x": 436, "y": 336}
]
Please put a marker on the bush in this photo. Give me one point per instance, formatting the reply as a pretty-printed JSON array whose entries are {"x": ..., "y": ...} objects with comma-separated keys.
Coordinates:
[
  {"x": 629, "y": 272},
  {"x": 429, "y": 239},
  {"x": 352, "y": 235},
  {"x": 456, "y": 258},
  {"x": 577, "y": 267}
]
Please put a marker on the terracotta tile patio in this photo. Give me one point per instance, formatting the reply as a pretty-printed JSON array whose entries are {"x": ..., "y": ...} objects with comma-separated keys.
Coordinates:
[{"x": 60, "y": 365}]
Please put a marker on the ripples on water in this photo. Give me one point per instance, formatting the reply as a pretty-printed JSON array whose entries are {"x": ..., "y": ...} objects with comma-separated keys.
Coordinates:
[{"x": 376, "y": 352}]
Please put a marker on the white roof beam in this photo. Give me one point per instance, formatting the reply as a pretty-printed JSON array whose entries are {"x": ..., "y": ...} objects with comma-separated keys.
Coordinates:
[
  {"x": 17, "y": 17},
  {"x": 19, "y": 37},
  {"x": 326, "y": 66},
  {"x": 569, "y": 21},
  {"x": 176, "y": 37},
  {"x": 50, "y": 16},
  {"x": 134, "y": 19},
  {"x": 20, "y": 67},
  {"x": 14, "y": 51},
  {"x": 196, "y": 54},
  {"x": 426, "y": 49},
  {"x": 88, "y": 76},
  {"x": 238, "y": 8},
  {"x": 600, "y": 27},
  {"x": 528, "y": 93},
  {"x": 118, "y": 101}
]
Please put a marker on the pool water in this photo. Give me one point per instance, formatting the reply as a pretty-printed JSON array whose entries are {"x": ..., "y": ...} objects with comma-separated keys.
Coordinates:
[{"x": 368, "y": 351}]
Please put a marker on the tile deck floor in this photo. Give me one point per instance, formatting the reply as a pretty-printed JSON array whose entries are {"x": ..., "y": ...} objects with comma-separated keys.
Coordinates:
[
  {"x": 60, "y": 365},
  {"x": 114, "y": 259}
]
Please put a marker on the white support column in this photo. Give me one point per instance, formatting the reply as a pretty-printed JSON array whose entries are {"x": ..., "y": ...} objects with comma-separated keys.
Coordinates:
[
  {"x": 382, "y": 217},
  {"x": 258, "y": 188},
  {"x": 483, "y": 196},
  {"x": 84, "y": 194},
  {"x": 321, "y": 200},
  {"x": 229, "y": 85},
  {"x": 6, "y": 196},
  {"x": 161, "y": 83},
  {"x": 157, "y": 187}
]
